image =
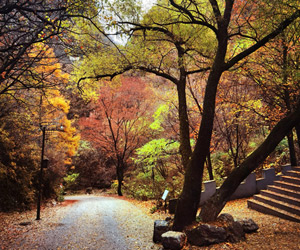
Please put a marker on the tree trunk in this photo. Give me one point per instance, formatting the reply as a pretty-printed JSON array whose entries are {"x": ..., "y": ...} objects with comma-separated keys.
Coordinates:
[
  {"x": 293, "y": 158},
  {"x": 120, "y": 188},
  {"x": 287, "y": 98},
  {"x": 209, "y": 167},
  {"x": 297, "y": 127},
  {"x": 120, "y": 178},
  {"x": 190, "y": 197},
  {"x": 188, "y": 202},
  {"x": 215, "y": 204},
  {"x": 185, "y": 145}
]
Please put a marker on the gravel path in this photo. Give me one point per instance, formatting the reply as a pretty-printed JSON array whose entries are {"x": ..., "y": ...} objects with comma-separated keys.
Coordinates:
[
  {"x": 105, "y": 223},
  {"x": 94, "y": 222}
]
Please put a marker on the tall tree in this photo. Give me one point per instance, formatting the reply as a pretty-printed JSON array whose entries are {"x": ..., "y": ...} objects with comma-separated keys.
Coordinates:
[
  {"x": 277, "y": 79},
  {"x": 171, "y": 37},
  {"x": 22, "y": 113},
  {"x": 118, "y": 122}
]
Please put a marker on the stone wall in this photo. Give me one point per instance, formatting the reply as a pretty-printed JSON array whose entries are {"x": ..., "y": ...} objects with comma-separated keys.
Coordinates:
[{"x": 248, "y": 187}]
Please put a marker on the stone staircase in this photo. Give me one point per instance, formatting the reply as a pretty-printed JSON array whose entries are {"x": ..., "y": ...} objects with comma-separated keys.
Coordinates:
[{"x": 282, "y": 199}]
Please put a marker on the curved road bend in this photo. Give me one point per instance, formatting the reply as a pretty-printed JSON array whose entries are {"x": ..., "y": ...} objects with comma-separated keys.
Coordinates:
[{"x": 100, "y": 223}]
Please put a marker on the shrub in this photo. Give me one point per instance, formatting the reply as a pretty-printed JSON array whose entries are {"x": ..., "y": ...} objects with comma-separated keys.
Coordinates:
[{"x": 71, "y": 180}]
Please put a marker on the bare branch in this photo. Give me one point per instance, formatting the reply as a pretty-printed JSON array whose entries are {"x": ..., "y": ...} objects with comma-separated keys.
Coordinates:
[{"x": 263, "y": 41}]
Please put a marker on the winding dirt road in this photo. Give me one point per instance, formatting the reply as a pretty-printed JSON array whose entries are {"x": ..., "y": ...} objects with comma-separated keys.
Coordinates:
[{"x": 94, "y": 222}]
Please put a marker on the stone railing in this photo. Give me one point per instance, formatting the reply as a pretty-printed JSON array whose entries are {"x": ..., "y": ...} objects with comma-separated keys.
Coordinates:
[{"x": 248, "y": 187}]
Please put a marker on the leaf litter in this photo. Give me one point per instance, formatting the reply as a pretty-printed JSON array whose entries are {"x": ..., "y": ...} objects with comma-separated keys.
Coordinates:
[{"x": 273, "y": 234}]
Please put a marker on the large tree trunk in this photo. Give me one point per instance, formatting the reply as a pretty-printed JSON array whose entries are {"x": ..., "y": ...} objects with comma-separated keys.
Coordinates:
[
  {"x": 188, "y": 202},
  {"x": 190, "y": 197},
  {"x": 215, "y": 204},
  {"x": 185, "y": 145}
]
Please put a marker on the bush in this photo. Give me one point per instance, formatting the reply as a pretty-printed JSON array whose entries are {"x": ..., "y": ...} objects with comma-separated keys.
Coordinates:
[
  {"x": 143, "y": 186},
  {"x": 71, "y": 181}
]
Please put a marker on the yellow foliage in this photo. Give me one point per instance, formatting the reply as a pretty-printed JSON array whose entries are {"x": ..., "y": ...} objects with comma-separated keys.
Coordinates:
[
  {"x": 68, "y": 161},
  {"x": 48, "y": 66}
]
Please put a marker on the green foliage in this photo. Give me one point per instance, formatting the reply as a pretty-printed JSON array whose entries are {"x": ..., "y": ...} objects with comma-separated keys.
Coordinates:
[
  {"x": 156, "y": 151},
  {"x": 71, "y": 180},
  {"x": 279, "y": 157},
  {"x": 60, "y": 194},
  {"x": 158, "y": 116},
  {"x": 145, "y": 186},
  {"x": 222, "y": 165},
  {"x": 156, "y": 170},
  {"x": 154, "y": 209}
]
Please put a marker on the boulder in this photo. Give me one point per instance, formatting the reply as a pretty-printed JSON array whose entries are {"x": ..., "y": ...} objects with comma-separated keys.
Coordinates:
[
  {"x": 235, "y": 232},
  {"x": 225, "y": 228},
  {"x": 234, "y": 229},
  {"x": 173, "y": 240},
  {"x": 206, "y": 234},
  {"x": 225, "y": 218},
  {"x": 249, "y": 226},
  {"x": 160, "y": 227}
]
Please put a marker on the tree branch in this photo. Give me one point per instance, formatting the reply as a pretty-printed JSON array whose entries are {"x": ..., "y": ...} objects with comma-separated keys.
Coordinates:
[
  {"x": 192, "y": 17},
  {"x": 263, "y": 41}
]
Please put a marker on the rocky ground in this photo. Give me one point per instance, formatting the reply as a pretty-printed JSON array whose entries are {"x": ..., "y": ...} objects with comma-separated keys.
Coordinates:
[{"x": 132, "y": 225}]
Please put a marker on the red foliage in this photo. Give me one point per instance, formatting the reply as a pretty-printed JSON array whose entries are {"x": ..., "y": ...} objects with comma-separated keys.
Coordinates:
[{"x": 118, "y": 125}]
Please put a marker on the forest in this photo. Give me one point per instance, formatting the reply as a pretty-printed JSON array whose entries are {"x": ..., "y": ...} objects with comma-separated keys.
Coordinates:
[{"x": 141, "y": 98}]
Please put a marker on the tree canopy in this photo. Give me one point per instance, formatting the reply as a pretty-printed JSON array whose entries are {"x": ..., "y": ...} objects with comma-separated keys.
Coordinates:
[{"x": 228, "y": 68}]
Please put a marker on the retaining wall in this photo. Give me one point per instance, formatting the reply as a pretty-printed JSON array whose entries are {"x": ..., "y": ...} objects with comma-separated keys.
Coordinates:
[{"x": 248, "y": 187}]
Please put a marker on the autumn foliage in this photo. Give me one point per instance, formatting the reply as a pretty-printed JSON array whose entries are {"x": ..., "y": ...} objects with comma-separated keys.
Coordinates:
[
  {"x": 119, "y": 122},
  {"x": 22, "y": 114}
]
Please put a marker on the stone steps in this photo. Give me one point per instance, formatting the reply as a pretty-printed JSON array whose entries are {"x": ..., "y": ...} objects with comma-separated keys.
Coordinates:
[
  {"x": 282, "y": 199},
  {"x": 293, "y": 173},
  {"x": 290, "y": 179},
  {"x": 267, "y": 209},
  {"x": 287, "y": 185},
  {"x": 285, "y": 191}
]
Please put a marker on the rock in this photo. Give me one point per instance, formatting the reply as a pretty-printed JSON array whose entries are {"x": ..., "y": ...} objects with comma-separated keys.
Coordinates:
[
  {"x": 160, "y": 227},
  {"x": 168, "y": 219},
  {"x": 206, "y": 234},
  {"x": 89, "y": 190},
  {"x": 225, "y": 218},
  {"x": 235, "y": 232},
  {"x": 226, "y": 229},
  {"x": 249, "y": 226},
  {"x": 173, "y": 240},
  {"x": 234, "y": 229}
]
